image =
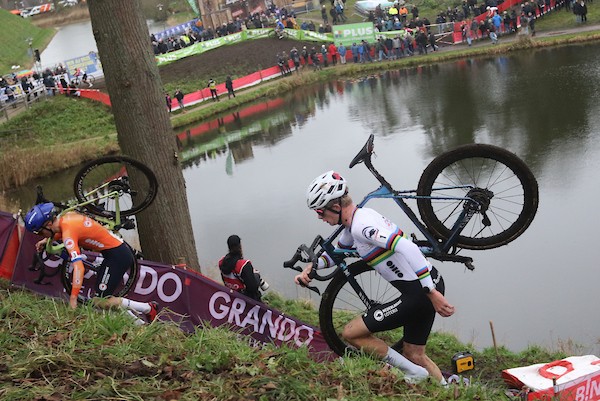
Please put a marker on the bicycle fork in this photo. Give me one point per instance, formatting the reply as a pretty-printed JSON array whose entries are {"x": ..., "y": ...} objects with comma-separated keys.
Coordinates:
[{"x": 356, "y": 287}]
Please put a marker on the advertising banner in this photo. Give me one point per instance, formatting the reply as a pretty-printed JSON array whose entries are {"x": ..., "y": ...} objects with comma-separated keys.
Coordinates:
[
  {"x": 175, "y": 30},
  {"x": 351, "y": 33},
  {"x": 187, "y": 298},
  {"x": 201, "y": 47},
  {"x": 7, "y": 222},
  {"x": 88, "y": 63},
  {"x": 9, "y": 244},
  {"x": 576, "y": 378}
]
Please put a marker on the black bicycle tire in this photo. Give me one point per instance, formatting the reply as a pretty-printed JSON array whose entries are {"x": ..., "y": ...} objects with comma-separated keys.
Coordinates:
[
  {"x": 482, "y": 151},
  {"x": 326, "y": 307},
  {"x": 67, "y": 282},
  {"x": 145, "y": 170}
]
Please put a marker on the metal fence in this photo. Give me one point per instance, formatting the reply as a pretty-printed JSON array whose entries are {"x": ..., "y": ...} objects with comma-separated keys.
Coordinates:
[{"x": 22, "y": 102}]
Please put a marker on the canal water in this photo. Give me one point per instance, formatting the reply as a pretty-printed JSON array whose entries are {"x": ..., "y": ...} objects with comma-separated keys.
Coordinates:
[
  {"x": 248, "y": 176},
  {"x": 247, "y": 172},
  {"x": 76, "y": 40}
]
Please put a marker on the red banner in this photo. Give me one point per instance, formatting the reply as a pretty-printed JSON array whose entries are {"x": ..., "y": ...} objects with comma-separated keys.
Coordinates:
[{"x": 185, "y": 297}]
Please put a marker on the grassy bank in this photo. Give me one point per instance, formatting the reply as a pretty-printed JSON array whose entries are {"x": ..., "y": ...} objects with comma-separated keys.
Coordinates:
[
  {"x": 49, "y": 351},
  {"x": 52, "y": 136},
  {"x": 14, "y": 37},
  {"x": 59, "y": 132}
]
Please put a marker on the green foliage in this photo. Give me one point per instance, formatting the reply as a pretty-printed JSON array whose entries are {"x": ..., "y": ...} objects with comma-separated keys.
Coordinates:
[{"x": 59, "y": 120}]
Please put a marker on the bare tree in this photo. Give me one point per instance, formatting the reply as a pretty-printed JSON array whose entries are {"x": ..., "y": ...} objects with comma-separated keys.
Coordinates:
[{"x": 143, "y": 126}]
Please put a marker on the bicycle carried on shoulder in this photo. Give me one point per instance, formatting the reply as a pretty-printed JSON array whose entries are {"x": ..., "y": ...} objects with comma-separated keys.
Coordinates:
[
  {"x": 476, "y": 197},
  {"x": 110, "y": 190}
]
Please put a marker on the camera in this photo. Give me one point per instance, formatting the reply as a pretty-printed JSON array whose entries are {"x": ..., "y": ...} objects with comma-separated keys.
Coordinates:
[{"x": 264, "y": 286}]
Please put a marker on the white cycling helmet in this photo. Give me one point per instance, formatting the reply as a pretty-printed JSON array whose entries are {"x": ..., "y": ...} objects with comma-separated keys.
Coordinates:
[{"x": 325, "y": 188}]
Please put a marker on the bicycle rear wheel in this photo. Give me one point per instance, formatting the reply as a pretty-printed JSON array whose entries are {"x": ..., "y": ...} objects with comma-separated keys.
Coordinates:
[
  {"x": 340, "y": 304},
  {"x": 134, "y": 182},
  {"x": 89, "y": 283},
  {"x": 497, "y": 179}
]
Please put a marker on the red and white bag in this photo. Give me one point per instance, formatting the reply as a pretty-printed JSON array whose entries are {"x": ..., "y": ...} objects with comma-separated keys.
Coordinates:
[{"x": 576, "y": 378}]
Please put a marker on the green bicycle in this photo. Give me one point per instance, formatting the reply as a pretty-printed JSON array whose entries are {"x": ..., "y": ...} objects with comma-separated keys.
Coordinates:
[{"x": 110, "y": 190}]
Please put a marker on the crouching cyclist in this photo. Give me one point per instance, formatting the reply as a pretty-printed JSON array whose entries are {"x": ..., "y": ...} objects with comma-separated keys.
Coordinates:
[
  {"x": 383, "y": 246},
  {"x": 76, "y": 230}
]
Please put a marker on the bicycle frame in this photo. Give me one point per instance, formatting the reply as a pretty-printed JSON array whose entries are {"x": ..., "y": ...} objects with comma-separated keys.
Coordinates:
[
  {"x": 111, "y": 223},
  {"x": 434, "y": 248}
]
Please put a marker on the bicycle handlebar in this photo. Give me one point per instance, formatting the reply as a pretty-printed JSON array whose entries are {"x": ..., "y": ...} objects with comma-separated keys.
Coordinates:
[{"x": 305, "y": 253}]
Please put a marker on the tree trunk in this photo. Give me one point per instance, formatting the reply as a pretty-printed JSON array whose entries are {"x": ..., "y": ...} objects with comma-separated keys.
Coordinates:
[{"x": 143, "y": 126}]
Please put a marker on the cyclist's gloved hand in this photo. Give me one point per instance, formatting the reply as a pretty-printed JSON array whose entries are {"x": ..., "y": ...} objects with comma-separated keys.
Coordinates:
[
  {"x": 41, "y": 245},
  {"x": 304, "y": 277}
]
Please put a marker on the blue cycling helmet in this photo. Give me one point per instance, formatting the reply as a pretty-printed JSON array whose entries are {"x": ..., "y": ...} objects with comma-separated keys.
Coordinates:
[{"x": 38, "y": 215}]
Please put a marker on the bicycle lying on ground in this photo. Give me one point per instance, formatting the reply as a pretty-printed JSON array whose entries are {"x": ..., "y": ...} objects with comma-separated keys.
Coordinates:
[
  {"x": 474, "y": 197},
  {"x": 110, "y": 190}
]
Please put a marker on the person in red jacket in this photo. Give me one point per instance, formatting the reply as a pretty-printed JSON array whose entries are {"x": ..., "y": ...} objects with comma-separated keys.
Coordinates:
[
  {"x": 238, "y": 273},
  {"x": 333, "y": 53}
]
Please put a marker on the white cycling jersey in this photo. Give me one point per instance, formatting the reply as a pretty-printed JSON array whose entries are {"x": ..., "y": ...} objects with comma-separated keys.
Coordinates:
[{"x": 384, "y": 247}]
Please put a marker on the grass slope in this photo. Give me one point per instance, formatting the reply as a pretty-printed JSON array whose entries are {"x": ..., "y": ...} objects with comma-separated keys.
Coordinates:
[
  {"x": 62, "y": 132},
  {"x": 15, "y": 46},
  {"x": 50, "y": 352}
]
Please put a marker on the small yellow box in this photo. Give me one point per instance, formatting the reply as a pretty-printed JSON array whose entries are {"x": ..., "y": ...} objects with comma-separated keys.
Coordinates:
[{"x": 463, "y": 361}]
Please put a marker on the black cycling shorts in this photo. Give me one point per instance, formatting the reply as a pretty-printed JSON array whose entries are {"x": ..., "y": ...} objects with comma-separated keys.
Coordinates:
[
  {"x": 114, "y": 266},
  {"x": 412, "y": 310}
]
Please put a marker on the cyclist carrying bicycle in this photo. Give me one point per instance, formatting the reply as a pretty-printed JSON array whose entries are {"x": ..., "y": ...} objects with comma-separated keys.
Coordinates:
[
  {"x": 76, "y": 230},
  {"x": 384, "y": 247}
]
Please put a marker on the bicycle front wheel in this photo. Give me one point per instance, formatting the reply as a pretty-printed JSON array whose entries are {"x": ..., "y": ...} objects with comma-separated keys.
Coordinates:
[
  {"x": 501, "y": 183},
  {"x": 88, "y": 289},
  {"x": 340, "y": 304},
  {"x": 132, "y": 184}
]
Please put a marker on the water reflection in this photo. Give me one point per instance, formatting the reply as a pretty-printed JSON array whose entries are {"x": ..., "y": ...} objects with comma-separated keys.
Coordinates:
[
  {"x": 247, "y": 175},
  {"x": 234, "y": 134}
]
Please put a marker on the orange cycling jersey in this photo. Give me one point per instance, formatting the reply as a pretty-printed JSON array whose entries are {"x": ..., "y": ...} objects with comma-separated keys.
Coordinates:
[{"x": 79, "y": 231}]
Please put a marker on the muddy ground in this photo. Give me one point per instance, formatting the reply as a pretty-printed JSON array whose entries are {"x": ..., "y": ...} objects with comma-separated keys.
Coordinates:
[
  {"x": 253, "y": 54},
  {"x": 235, "y": 60}
]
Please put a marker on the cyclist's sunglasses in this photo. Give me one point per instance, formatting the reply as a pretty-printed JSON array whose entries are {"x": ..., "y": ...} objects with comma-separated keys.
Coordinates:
[
  {"x": 321, "y": 212},
  {"x": 39, "y": 232}
]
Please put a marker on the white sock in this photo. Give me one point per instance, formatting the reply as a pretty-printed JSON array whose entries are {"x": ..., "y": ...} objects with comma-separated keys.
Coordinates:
[
  {"x": 412, "y": 371},
  {"x": 142, "y": 307},
  {"x": 137, "y": 321}
]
